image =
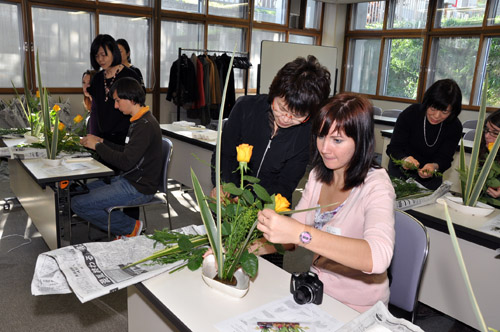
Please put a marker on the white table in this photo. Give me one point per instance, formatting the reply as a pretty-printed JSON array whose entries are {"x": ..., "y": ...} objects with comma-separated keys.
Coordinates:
[
  {"x": 190, "y": 153},
  {"x": 442, "y": 285},
  {"x": 181, "y": 301},
  {"x": 45, "y": 196}
]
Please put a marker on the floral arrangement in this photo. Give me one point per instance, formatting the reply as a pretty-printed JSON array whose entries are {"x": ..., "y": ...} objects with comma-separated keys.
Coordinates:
[
  {"x": 410, "y": 167},
  {"x": 44, "y": 121},
  {"x": 474, "y": 176}
]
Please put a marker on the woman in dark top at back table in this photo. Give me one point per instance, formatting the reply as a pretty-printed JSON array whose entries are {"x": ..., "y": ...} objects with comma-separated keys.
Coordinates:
[
  {"x": 427, "y": 135},
  {"x": 111, "y": 124}
]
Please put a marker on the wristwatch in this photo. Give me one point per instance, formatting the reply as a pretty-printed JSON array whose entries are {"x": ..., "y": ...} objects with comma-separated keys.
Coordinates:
[{"x": 305, "y": 237}]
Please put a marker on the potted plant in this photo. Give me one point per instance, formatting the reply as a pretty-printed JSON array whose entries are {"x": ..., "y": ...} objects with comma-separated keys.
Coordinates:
[{"x": 473, "y": 175}]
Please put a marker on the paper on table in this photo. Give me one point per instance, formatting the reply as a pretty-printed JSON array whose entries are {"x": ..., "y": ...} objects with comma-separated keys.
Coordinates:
[{"x": 282, "y": 310}]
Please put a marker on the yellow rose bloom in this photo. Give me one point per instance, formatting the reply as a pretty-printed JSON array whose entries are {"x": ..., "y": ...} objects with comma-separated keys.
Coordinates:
[
  {"x": 37, "y": 93},
  {"x": 244, "y": 152},
  {"x": 281, "y": 203},
  {"x": 78, "y": 118},
  {"x": 56, "y": 108},
  {"x": 490, "y": 146},
  {"x": 61, "y": 126}
]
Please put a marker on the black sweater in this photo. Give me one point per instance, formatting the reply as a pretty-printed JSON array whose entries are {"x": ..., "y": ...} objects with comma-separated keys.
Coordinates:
[
  {"x": 288, "y": 153},
  {"x": 141, "y": 157},
  {"x": 408, "y": 139}
]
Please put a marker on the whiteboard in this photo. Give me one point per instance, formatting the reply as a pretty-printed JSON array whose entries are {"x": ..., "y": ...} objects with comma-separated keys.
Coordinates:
[{"x": 274, "y": 55}]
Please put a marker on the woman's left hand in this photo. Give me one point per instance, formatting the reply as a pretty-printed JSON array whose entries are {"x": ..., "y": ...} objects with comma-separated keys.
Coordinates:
[
  {"x": 428, "y": 170},
  {"x": 277, "y": 228}
]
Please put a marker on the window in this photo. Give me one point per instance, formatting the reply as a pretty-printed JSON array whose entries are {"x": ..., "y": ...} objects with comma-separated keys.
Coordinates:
[
  {"x": 175, "y": 35},
  {"x": 11, "y": 39},
  {"x": 270, "y": 11},
  {"x": 401, "y": 67},
  {"x": 228, "y": 8},
  {"x": 451, "y": 13},
  {"x": 62, "y": 39},
  {"x": 313, "y": 14},
  {"x": 491, "y": 64},
  {"x": 196, "y": 6},
  {"x": 368, "y": 15},
  {"x": 299, "y": 39},
  {"x": 363, "y": 72},
  {"x": 257, "y": 37},
  {"x": 409, "y": 14},
  {"x": 144, "y": 3},
  {"x": 224, "y": 38},
  {"x": 454, "y": 58},
  {"x": 136, "y": 31}
]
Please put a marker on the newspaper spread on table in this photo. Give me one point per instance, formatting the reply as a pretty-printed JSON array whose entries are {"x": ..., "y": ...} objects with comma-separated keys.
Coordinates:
[
  {"x": 93, "y": 269},
  {"x": 406, "y": 204}
]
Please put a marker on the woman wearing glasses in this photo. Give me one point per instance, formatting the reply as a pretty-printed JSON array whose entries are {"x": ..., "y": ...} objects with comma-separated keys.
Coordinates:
[
  {"x": 490, "y": 134},
  {"x": 278, "y": 127},
  {"x": 426, "y": 135}
]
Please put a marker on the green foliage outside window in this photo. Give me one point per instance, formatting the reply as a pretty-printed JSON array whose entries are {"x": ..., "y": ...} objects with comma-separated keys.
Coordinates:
[{"x": 404, "y": 68}]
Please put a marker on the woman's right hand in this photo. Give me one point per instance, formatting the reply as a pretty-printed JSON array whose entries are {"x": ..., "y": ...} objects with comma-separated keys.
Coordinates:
[{"x": 408, "y": 161}]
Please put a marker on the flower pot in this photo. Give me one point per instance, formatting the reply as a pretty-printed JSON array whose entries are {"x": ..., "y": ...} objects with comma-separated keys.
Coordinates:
[
  {"x": 31, "y": 139},
  {"x": 480, "y": 210},
  {"x": 52, "y": 162},
  {"x": 209, "y": 271}
]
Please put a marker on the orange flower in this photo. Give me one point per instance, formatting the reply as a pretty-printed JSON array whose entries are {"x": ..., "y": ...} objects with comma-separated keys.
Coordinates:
[
  {"x": 61, "y": 126},
  {"x": 56, "y": 108},
  {"x": 78, "y": 118},
  {"x": 281, "y": 203},
  {"x": 490, "y": 146},
  {"x": 37, "y": 93},
  {"x": 244, "y": 152}
]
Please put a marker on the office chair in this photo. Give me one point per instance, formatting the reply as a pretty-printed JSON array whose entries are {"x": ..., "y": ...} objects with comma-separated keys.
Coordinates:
[
  {"x": 470, "y": 124},
  {"x": 377, "y": 110},
  {"x": 408, "y": 261},
  {"x": 167, "y": 148},
  {"x": 391, "y": 113},
  {"x": 469, "y": 136}
]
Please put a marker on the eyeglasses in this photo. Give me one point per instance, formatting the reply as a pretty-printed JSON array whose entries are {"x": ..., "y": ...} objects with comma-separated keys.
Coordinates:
[
  {"x": 290, "y": 117},
  {"x": 493, "y": 133}
]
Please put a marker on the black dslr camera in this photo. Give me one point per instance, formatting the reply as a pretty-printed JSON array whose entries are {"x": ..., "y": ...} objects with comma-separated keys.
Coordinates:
[{"x": 306, "y": 288}]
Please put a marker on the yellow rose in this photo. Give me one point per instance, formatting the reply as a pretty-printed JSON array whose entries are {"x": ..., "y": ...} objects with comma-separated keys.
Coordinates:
[
  {"x": 281, "y": 203},
  {"x": 61, "y": 126},
  {"x": 37, "y": 93},
  {"x": 78, "y": 118},
  {"x": 56, "y": 108},
  {"x": 244, "y": 152},
  {"x": 490, "y": 146}
]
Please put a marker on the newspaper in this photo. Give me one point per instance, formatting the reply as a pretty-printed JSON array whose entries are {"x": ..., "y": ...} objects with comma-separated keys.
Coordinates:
[
  {"x": 93, "y": 269},
  {"x": 379, "y": 319},
  {"x": 406, "y": 204}
]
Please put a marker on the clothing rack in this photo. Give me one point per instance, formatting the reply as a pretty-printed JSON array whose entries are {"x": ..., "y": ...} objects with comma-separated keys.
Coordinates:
[{"x": 179, "y": 55}]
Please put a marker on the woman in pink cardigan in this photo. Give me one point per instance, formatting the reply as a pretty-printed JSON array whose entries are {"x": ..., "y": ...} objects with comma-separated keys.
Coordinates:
[{"x": 352, "y": 234}]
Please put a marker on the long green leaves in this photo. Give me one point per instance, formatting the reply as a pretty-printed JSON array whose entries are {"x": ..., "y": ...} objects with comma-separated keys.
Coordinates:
[{"x": 474, "y": 183}]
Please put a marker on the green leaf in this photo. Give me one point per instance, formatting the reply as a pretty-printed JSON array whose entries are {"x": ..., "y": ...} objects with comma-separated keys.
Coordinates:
[
  {"x": 249, "y": 263},
  {"x": 261, "y": 193},
  {"x": 251, "y": 179},
  {"x": 184, "y": 243},
  {"x": 232, "y": 189},
  {"x": 248, "y": 197},
  {"x": 195, "y": 262}
]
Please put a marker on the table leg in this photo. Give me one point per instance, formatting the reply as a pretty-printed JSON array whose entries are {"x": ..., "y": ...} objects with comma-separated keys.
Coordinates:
[{"x": 64, "y": 212}]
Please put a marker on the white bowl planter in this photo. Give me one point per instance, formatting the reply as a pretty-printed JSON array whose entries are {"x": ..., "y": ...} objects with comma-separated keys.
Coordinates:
[
  {"x": 480, "y": 210},
  {"x": 209, "y": 271}
]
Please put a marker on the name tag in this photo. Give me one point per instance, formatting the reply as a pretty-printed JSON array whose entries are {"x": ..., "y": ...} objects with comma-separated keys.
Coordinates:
[
  {"x": 333, "y": 230},
  {"x": 126, "y": 139}
]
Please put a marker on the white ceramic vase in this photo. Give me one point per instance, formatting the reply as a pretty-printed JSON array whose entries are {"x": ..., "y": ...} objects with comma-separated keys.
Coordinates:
[
  {"x": 30, "y": 139},
  {"x": 209, "y": 271},
  {"x": 52, "y": 162},
  {"x": 480, "y": 210}
]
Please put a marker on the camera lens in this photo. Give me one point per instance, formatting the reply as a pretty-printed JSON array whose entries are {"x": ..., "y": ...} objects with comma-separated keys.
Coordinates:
[{"x": 303, "y": 294}]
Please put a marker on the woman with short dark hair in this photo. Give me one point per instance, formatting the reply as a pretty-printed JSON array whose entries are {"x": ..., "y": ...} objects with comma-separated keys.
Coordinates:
[
  {"x": 125, "y": 53},
  {"x": 351, "y": 231},
  {"x": 105, "y": 56},
  {"x": 426, "y": 135}
]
